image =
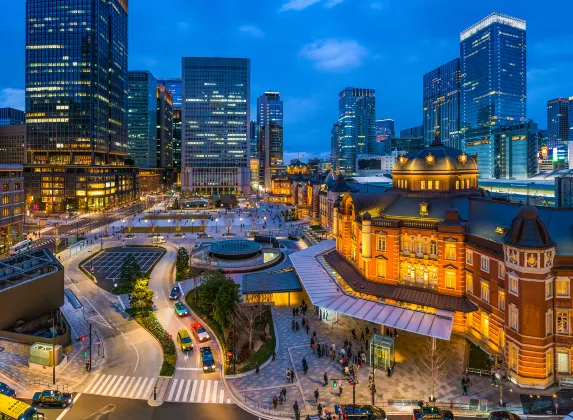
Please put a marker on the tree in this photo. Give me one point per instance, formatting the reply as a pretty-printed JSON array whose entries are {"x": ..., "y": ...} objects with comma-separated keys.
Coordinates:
[
  {"x": 195, "y": 274},
  {"x": 225, "y": 302},
  {"x": 141, "y": 297},
  {"x": 208, "y": 291},
  {"x": 229, "y": 224},
  {"x": 129, "y": 222},
  {"x": 247, "y": 314},
  {"x": 129, "y": 271},
  {"x": 433, "y": 364},
  {"x": 203, "y": 224},
  {"x": 182, "y": 263},
  {"x": 153, "y": 223},
  {"x": 177, "y": 222},
  {"x": 57, "y": 237}
]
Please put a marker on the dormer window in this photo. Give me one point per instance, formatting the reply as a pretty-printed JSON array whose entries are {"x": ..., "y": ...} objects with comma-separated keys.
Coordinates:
[{"x": 423, "y": 209}]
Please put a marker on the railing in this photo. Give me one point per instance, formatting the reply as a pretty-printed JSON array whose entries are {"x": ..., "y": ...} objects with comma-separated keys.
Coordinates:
[
  {"x": 419, "y": 224},
  {"x": 480, "y": 372},
  {"x": 35, "y": 383}
]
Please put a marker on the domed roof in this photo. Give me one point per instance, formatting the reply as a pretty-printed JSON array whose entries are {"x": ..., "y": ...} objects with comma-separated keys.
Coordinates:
[
  {"x": 367, "y": 216},
  {"x": 436, "y": 157},
  {"x": 527, "y": 230}
]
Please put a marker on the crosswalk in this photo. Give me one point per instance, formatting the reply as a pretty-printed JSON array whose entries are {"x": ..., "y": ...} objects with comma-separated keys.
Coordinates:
[
  {"x": 141, "y": 388},
  {"x": 196, "y": 391}
]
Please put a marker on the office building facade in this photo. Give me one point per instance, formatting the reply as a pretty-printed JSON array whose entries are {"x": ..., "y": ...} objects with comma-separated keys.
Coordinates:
[
  {"x": 142, "y": 119},
  {"x": 175, "y": 86},
  {"x": 384, "y": 135},
  {"x": 13, "y": 144},
  {"x": 77, "y": 116},
  {"x": 11, "y": 205},
  {"x": 334, "y": 147},
  {"x": 357, "y": 130},
  {"x": 493, "y": 72},
  {"x": 12, "y": 116},
  {"x": 215, "y": 125},
  {"x": 271, "y": 135},
  {"x": 164, "y": 128},
  {"x": 557, "y": 122},
  {"x": 441, "y": 100}
]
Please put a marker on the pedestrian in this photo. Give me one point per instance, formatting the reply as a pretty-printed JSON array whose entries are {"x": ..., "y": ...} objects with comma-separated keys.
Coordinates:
[
  {"x": 325, "y": 379},
  {"x": 288, "y": 375},
  {"x": 305, "y": 368},
  {"x": 340, "y": 390},
  {"x": 293, "y": 312},
  {"x": 303, "y": 321},
  {"x": 362, "y": 336},
  {"x": 297, "y": 326},
  {"x": 313, "y": 347},
  {"x": 339, "y": 357},
  {"x": 353, "y": 331},
  {"x": 257, "y": 368},
  {"x": 463, "y": 385},
  {"x": 307, "y": 327},
  {"x": 295, "y": 408},
  {"x": 292, "y": 324},
  {"x": 274, "y": 355},
  {"x": 296, "y": 311},
  {"x": 284, "y": 393},
  {"x": 387, "y": 331},
  {"x": 292, "y": 376},
  {"x": 395, "y": 333},
  {"x": 275, "y": 402},
  {"x": 319, "y": 409},
  {"x": 367, "y": 331},
  {"x": 316, "y": 395},
  {"x": 314, "y": 333},
  {"x": 281, "y": 398}
]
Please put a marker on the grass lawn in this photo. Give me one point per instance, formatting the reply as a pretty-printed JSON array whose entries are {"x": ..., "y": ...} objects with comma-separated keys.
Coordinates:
[
  {"x": 181, "y": 216},
  {"x": 164, "y": 229}
]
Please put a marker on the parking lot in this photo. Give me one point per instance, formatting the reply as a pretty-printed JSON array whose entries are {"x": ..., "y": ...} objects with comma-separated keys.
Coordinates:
[{"x": 106, "y": 266}]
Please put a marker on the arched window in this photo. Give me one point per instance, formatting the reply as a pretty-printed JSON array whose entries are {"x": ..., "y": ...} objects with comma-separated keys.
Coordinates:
[{"x": 433, "y": 248}]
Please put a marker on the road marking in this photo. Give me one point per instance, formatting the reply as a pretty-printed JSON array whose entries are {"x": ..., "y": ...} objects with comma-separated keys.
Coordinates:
[
  {"x": 229, "y": 401},
  {"x": 106, "y": 380},
  {"x": 221, "y": 397},
  {"x": 141, "y": 389},
  {"x": 95, "y": 379},
  {"x": 179, "y": 390},
  {"x": 172, "y": 390},
  {"x": 134, "y": 388},
  {"x": 111, "y": 391},
  {"x": 121, "y": 302},
  {"x": 215, "y": 385},
  {"x": 114, "y": 377},
  {"x": 63, "y": 413},
  {"x": 180, "y": 368},
  {"x": 125, "y": 381},
  {"x": 207, "y": 392},
  {"x": 193, "y": 391},
  {"x": 187, "y": 389},
  {"x": 148, "y": 390}
]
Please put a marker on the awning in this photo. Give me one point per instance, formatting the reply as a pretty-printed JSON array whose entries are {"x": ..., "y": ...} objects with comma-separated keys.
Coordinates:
[{"x": 323, "y": 291}]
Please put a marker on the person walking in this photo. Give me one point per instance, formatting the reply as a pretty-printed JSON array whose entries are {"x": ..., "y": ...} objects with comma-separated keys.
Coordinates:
[
  {"x": 296, "y": 410},
  {"x": 292, "y": 324},
  {"x": 275, "y": 402},
  {"x": 293, "y": 312},
  {"x": 257, "y": 368},
  {"x": 288, "y": 375},
  {"x": 325, "y": 379},
  {"x": 367, "y": 331},
  {"x": 297, "y": 326},
  {"x": 274, "y": 355},
  {"x": 292, "y": 376},
  {"x": 307, "y": 327},
  {"x": 316, "y": 395},
  {"x": 362, "y": 336},
  {"x": 319, "y": 409}
]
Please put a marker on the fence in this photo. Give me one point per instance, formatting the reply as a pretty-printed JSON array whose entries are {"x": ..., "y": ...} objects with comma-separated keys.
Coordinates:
[{"x": 34, "y": 383}]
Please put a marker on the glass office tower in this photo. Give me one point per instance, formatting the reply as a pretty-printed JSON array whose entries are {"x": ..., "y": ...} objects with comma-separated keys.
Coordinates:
[
  {"x": 175, "y": 86},
  {"x": 76, "y": 104},
  {"x": 11, "y": 116},
  {"x": 557, "y": 123},
  {"x": 215, "y": 134},
  {"x": 493, "y": 72},
  {"x": 384, "y": 135},
  {"x": 357, "y": 131},
  {"x": 334, "y": 147},
  {"x": 270, "y": 130},
  {"x": 142, "y": 119},
  {"x": 164, "y": 128},
  {"x": 442, "y": 104}
]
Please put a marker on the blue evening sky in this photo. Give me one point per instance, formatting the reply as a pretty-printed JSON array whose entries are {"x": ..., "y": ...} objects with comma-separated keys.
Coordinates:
[{"x": 311, "y": 49}]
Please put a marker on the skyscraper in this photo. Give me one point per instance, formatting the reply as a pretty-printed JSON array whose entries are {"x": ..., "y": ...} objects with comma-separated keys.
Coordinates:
[
  {"x": 175, "y": 86},
  {"x": 164, "y": 128},
  {"x": 442, "y": 104},
  {"x": 76, "y": 105},
  {"x": 216, "y": 116},
  {"x": 493, "y": 72},
  {"x": 334, "y": 150},
  {"x": 142, "y": 118},
  {"x": 557, "y": 123},
  {"x": 270, "y": 130},
  {"x": 384, "y": 135},
  {"x": 357, "y": 132},
  {"x": 12, "y": 116}
]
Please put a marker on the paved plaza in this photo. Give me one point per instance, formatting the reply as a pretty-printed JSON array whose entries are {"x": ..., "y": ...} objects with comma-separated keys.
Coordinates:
[
  {"x": 408, "y": 382},
  {"x": 106, "y": 266}
]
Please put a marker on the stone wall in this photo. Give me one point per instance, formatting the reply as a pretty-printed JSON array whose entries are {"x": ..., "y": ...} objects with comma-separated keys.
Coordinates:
[{"x": 11, "y": 346}]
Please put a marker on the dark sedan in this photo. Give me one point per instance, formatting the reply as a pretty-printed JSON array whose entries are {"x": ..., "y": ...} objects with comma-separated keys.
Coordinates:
[
  {"x": 6, "y": 390},
  {"x": 175, "y": 293},
  {"x": 52, "y": 398}
]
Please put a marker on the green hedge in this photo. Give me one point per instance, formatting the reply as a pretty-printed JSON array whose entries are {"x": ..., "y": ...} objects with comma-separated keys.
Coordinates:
[
  {"x": 124, "y": 289},
  {"x": 150, "y": 322}
]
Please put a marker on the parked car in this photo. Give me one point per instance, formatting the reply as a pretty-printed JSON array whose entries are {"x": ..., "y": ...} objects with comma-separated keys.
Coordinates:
[
  {"x": 6, "y": 390},
  {"x": 53, "y": 398},
  {"x": 432, "y": 413},
  {"x": 200, "y": 332},
  {"x": 184, "y": 340},
  {"x": 175, "y": 293},
  {"x": 207, "y": 359},
  {"x": 360, "y": 412},
  {"x": 503, "y": 415},
  {"x": 181, "y": 309}
]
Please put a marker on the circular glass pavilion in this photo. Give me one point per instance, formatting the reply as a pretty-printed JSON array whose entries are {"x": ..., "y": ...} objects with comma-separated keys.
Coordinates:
[{"x": 235, "y": 249}]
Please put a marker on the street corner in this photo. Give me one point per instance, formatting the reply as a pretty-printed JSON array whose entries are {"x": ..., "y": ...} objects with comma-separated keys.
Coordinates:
[{"x": 159, "y": 390}]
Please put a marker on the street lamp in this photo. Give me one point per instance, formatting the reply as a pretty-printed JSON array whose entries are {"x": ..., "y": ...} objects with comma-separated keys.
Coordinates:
[
  {"x": 241, "y": 219},
  {"x": 168, "y": 226},
  {"x": 216, "y": 227}
]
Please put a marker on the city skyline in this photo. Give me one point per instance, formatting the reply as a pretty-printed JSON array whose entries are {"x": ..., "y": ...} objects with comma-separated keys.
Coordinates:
[{"x": 392, "y": 64}]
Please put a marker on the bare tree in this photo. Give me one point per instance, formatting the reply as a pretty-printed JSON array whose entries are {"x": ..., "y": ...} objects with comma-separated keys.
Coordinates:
[
  {"x": 177, "y": 222},
  {"x": 229, "y": 224},
  {"x": 254, "y": 221},
  {"x": 433, "y": 363},
  {"x": 153, "y": 223},
  {"x": 129, "y": 223},
  {"x": 57, "y": 237},
  {"x": 203, "y": 224}
]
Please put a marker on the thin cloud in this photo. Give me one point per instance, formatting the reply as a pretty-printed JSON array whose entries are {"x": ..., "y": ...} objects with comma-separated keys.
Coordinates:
[
  {"x": 252, "y": 30},
  {"x": 297, "y": 5},
  {"x": 379, "y": 5},
  {"x": 13, "y": 98},
  {"x": 334, "y": 54}
]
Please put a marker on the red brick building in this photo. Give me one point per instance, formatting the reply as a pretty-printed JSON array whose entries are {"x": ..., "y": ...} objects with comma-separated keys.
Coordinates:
[{"x": 436, "y": 242}]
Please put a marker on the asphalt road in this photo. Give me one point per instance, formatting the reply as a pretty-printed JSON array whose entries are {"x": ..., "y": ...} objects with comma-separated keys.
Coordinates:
[{"x": 96, "y": 407}]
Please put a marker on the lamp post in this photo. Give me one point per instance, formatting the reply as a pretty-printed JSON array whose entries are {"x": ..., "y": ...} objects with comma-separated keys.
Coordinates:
[
  {"x": 216, "y": 227},
  {"x": 169, "y": 226},
  {"x": 241, "y": 219}
]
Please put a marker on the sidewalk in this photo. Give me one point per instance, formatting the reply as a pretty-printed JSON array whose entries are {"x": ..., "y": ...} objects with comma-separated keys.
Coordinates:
[{"x": 407, "y": 383}]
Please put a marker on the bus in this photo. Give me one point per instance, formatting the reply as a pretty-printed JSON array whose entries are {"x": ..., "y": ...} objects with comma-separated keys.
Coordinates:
[
  {"x": 21, "y": 247},
  {"x": 13, "y": 409}
]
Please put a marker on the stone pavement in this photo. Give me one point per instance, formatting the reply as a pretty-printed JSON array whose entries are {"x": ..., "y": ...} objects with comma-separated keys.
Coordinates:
[{"x": 408, "y": 382}]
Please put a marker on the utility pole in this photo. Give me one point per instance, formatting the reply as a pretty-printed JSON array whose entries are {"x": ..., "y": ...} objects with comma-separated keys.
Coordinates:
[
  {"x": 90, "y": 347},
  {"x": 54, "y": 350}
]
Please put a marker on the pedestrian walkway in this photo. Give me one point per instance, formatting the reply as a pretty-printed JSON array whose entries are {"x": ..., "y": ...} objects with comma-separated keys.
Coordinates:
[
  {"x": 139, "y": 388},
  {"x": 197, "y": 391}
]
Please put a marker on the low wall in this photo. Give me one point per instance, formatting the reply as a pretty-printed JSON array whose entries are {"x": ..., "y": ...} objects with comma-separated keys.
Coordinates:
[{"x": 15, "y": 347}]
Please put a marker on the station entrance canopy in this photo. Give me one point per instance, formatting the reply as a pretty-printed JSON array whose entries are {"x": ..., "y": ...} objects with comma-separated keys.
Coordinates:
[{"x": 324, "y": 292}]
